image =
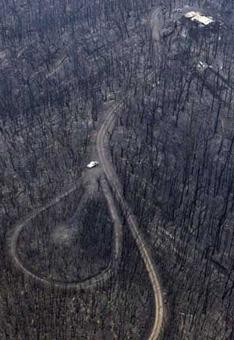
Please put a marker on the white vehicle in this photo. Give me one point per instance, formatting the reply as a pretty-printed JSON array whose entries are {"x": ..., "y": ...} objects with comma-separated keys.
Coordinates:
[{"x": 92, "y": 164}]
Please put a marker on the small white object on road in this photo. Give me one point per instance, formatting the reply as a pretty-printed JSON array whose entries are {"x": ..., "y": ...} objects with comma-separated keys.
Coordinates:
[{"x": 92, "y": 164}]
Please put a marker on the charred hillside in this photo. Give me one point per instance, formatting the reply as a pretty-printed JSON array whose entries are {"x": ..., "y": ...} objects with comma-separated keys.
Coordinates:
[{"x": 165, "y": 72}]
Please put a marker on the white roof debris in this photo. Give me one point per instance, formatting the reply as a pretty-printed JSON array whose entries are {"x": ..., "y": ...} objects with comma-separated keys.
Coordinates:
[{"x": 198, "y": 17}]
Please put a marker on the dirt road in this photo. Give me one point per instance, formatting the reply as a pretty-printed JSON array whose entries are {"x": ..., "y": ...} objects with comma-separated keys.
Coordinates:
[
  {"x": 106, "y": 167},
  {"x": 113, "y": 181},
  {"x": 90, "y": 283}
]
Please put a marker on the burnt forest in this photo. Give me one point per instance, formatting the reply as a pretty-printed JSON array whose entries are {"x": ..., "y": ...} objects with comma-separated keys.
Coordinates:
[{"x": 116, "y": 170}]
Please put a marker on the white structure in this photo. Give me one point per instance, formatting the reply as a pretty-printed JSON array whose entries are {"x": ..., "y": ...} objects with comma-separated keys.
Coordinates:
[
  {"x": 199, "y": 18},
  {"x": 92, "y": 164}
]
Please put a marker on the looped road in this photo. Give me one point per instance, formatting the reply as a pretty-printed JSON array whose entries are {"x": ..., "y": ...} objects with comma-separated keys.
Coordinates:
[
  {"x": 91, "y": 282},
  {"x": 113, "y": 181}
]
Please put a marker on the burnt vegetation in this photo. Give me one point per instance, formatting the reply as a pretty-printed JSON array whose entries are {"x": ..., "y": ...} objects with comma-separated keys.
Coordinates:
[
  {"x": 71, "y": 249},
  {"x": 176, "y": 162},
  {"x": 63, "y": 65}
]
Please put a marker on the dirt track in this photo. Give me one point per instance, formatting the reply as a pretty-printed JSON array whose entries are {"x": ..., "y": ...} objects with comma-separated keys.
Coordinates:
[
  {"x": 107, "y": 168},
  {"x": 113, "y": 181},
  {"x": 92, "y": 282}
]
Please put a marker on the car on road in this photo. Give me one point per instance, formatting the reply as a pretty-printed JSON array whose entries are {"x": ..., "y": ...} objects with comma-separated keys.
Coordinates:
[{"x": 92, "y": 164}]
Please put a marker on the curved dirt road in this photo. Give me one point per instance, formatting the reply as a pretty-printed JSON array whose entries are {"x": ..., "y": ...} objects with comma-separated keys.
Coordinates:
[
  {"x": 100, "y": 278},
  {"x": 112, "y": 178},
  {"x": 91, "y": 282}
]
